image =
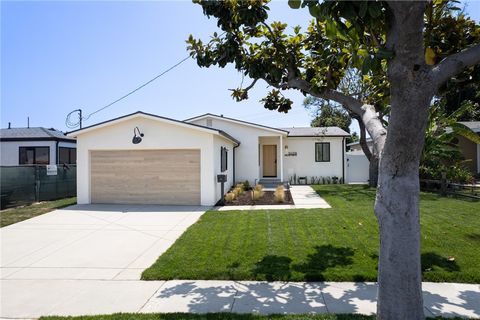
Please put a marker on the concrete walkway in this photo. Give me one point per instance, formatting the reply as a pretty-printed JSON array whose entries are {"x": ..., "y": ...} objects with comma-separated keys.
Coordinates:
[
  {"x": 34, "y": 298},
  {"x": 304, "y": 197}
]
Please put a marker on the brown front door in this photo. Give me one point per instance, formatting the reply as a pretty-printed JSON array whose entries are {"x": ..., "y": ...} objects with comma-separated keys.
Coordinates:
[{"x": 269, "y": 160}]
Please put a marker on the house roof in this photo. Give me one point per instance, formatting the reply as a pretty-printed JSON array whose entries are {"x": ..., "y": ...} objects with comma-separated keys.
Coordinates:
[
  {"x": 33, "y": 134},
  {"x": 155, "y": 117},
  {"x": 236, "y": 121},
  {"x": 316, "y": 132},
  {"x": 369, "y": 140},
  {"x": 473, "y": 125}
]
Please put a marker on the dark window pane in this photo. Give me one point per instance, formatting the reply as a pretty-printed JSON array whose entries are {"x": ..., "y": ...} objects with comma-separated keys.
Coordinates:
[
  {"x": 322, "y": 151},
  {"x": 64, "y": 155},
  {"x": 42, "y": 155},
  {"x": 73, "y": 156},
  {"x": 26, "y": 155},
  {"x": 223, "y": 159}
]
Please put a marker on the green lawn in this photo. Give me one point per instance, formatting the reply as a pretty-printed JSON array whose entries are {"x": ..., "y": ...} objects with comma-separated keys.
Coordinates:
[
  {"x": 337, "y": 244},
  {"x": 218, "y": 316},
  {"x": 14, "y": 215}
]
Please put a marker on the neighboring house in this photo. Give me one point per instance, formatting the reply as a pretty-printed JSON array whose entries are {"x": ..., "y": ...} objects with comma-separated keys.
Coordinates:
[
  {"x": 30, "y": 146},
  {"x": 469, "y": 149},
  {"x": 144, "y": 158},
  {"x": 355, "y": 147}
]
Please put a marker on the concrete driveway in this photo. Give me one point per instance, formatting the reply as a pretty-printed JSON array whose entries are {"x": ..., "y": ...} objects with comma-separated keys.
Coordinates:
[
  {"x": 92, "y": 242},
  {"x": 85, "y": 259}
]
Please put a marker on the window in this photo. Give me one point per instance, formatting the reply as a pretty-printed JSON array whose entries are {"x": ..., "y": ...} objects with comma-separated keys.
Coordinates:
[
  {"x": 67, "y": 155},
  {"x": 34, "y": 155},
  {"x": 322, "y": 152},
  {"x": 223, "y": 159}
]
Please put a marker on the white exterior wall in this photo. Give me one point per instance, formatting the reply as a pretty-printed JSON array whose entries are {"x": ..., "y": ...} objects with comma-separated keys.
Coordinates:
[
  {"x": 220, "y": 142},
  {"x": 158, "y": 135},
  {"x": 304, "y": 164},
  {"x": 247, "y": 165}
]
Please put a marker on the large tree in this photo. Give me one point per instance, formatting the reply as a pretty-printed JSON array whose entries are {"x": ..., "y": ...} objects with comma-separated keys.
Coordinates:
[{"x": 381, "y": 39}]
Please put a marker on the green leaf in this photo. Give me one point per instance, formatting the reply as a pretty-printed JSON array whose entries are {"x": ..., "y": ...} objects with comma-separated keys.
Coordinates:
[
  {"x": 366, "y": 65},
  {"x": 363, "y": 9},
  {"x": 374, "y": 10},
  {"x": 330, "y": 29},
  {"x": 294, "y": 4},
  {"x": 315, "y": 11}
]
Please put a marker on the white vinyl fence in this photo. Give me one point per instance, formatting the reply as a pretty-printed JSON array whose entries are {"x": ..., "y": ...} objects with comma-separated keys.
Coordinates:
[{"x": 357, "y": 168}]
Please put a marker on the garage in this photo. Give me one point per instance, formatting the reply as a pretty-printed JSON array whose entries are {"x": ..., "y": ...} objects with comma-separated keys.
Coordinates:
[
  {"x": 141, "y": 158},
  {"x": 146, "y": 176}
]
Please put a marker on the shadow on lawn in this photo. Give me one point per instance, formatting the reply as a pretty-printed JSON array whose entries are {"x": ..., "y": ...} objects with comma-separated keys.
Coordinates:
[
  {"x": 279, "y": 268},
  {"x": 431, "y": 260}
]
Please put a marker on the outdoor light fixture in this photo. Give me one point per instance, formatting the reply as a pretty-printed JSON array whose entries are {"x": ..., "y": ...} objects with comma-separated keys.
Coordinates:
[{"x": 137, "y": 139}]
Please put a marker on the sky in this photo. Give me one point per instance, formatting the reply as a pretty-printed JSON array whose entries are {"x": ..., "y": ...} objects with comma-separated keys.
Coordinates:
[{"x": 63, "y": 55}]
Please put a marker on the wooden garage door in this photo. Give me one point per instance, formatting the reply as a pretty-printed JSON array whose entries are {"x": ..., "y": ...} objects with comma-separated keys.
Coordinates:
[{"x": 145, "y": 176}]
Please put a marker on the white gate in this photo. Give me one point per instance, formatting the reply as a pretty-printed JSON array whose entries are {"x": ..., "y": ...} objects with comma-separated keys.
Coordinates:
[{"x": 357, "y": 168}]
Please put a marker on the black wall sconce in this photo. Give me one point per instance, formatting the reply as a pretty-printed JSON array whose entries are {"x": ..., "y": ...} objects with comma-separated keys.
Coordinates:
[{"x": 137, "y": 138}]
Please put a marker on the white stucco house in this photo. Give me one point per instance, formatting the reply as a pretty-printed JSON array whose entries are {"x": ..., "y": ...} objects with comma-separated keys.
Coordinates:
[
  {"x": 145, "y": 158},
  {"x": 35, "y": 146}
]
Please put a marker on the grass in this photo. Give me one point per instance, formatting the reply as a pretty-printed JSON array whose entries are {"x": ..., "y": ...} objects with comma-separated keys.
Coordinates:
[
  {"x": 14, "y": 215},
  {"x": 337, "y": 244},
  {"x": 219, "y": 316}
]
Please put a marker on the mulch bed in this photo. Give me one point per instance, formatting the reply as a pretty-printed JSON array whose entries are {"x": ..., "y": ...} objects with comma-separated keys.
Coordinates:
[{"x": 268, "y": 199}]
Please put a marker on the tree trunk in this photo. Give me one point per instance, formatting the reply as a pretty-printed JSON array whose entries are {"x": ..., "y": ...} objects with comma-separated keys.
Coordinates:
[
  {"x": 397, "y": 206},
  {"x": 373, "y": 156},
  {"x": 397, "y": 202},
  {"x": 373, "y": 171}
]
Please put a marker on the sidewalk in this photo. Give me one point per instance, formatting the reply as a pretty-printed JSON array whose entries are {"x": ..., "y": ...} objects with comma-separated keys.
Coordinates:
[{"x": 34, "y": 298}]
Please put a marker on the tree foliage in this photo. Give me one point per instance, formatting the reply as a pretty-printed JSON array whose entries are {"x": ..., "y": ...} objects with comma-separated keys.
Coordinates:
[{"x": 327, "y": 114}]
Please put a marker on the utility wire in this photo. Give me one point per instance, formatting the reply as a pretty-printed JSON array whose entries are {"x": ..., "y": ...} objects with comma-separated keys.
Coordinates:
[{"x": 138, "y": 88}]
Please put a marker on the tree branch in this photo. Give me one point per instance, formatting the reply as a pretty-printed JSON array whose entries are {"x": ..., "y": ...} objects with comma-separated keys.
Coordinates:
[
  {"x": 363, "y": 139},
  {"x": 251, "y": 85},
  {"x": 455, "y": 63}
]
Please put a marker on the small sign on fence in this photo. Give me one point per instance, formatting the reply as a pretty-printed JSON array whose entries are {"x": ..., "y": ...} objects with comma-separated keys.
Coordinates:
[{"x": 52, "y": 170}]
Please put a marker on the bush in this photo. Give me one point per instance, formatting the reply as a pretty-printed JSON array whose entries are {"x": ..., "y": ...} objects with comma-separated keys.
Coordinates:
[
  {"x": 246, "y": 185},
  {"x": 257, "y": 192},
  {"x": 238, "y": 190},
  {"x": 230, "y": 196},
  {"x": 455, "y": 173},
  {"x": 279, "y": 194}
]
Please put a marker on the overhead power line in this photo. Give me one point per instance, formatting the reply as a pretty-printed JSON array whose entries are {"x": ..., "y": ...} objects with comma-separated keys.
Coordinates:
[
  {"x": 138, "y": 88},
  {"x": 72, "y": 124}
]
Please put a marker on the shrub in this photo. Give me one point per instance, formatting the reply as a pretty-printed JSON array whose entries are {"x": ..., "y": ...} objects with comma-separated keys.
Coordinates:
[
  {"x": 238, "y": 190},
  {"x": 230, "y": 196},
  {"x": 455, "y": 173},
  {"x": 279, "y": 194},
  {"x": 246, "y": 185},
  {"x": 257, "y": 192}
]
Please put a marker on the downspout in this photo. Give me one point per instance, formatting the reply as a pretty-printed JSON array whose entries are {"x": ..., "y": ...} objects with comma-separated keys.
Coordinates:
[
  {"x": 56, "y": 152},
  {"x": 343, "y": 160}
]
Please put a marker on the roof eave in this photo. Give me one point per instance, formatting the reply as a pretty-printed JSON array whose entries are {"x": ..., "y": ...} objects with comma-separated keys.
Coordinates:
[{"x": 237, "y": 121}]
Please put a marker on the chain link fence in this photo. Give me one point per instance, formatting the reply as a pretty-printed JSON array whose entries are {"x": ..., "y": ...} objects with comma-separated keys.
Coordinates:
[{"x": 20, "y": 185}]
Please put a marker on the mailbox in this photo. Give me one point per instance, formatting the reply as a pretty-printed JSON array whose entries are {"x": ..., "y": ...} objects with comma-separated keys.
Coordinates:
[{"x": 221, "y": 178}]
